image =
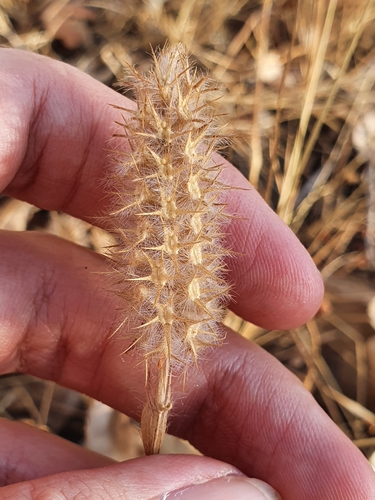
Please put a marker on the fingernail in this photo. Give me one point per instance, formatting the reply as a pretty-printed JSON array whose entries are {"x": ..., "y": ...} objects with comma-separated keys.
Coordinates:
[{"x": 238, "y": 487}]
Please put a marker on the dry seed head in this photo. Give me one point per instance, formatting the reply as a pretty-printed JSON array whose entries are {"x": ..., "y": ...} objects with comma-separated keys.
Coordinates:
[{"x": 168, "y": 223}]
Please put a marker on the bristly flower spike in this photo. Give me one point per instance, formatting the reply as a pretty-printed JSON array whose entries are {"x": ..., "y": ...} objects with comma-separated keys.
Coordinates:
[{"x": 168, "y": 217}]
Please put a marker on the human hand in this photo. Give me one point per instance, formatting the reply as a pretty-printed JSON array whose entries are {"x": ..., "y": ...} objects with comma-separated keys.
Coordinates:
[{"x": 241, "y": 407}]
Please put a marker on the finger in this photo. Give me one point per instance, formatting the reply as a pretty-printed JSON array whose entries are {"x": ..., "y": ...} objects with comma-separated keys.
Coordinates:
[
  {"x": 28, "y": 453},
  {"x": 242, "y": 406},
  {"x": 276, "y": 284},
  {"x": 272, "y": 427},
  {"x": 55, "y": 124},
  {"x": 182, "y": 477}
]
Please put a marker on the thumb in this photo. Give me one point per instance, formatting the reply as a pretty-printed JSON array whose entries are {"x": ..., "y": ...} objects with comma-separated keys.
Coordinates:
[
  {"x": 222, "y": 488},
  {"x": 164, "y": 477}
]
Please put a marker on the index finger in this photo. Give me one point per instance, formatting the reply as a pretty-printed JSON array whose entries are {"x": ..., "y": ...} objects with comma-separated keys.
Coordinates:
[{"x": 56, "y": 122}]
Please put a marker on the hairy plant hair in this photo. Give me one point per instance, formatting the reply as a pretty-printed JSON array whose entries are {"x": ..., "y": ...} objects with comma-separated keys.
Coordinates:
[{"x": 168, "y": 217}]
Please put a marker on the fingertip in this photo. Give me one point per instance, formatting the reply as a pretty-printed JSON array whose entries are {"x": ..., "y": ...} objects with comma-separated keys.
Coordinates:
[
  {"x": 284, "y": 289},
  {"x": 276, "y": 283}
]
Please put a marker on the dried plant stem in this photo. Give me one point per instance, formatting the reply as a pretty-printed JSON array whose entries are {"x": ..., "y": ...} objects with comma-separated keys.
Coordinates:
[
  {"x": 256, "y": 159},
  {"x": 168, "y": 219},
  {"x": 294, "y": 172},
  {"x": 155, "y": 412}
]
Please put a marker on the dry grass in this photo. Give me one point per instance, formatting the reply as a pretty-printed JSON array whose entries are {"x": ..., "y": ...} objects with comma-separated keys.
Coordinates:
[{"x": 297, "y": 78}]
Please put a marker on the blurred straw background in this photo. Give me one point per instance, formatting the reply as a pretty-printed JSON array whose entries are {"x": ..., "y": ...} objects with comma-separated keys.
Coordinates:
[{"x": 297, "y": 78}]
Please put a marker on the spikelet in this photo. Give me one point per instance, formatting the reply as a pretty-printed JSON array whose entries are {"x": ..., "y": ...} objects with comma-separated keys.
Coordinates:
[{"x": 168, "y": 219}]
